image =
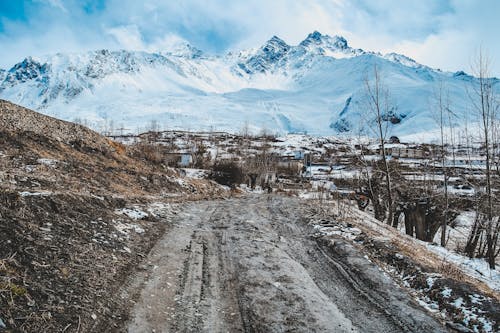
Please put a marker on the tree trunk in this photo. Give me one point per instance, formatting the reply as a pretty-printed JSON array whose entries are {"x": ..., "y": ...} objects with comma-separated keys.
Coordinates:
[
  {"x": 409, "y": 227},
  {"x": 395, "y": 221},
  {"x": 416, "y": 218}
]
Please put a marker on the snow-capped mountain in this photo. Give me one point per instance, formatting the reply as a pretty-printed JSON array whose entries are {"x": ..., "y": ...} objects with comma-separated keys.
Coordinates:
[{"x": 316, "y": 86}]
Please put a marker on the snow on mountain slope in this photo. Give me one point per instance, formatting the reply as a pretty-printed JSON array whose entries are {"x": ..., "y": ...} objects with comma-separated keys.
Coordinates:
[{"x": 315, "y": 87}]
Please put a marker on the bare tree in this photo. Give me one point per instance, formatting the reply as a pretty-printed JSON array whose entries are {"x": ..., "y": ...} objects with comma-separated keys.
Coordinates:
[
  {"x": 442, "y": 108},
  {"x": 153, "y": 126},
  {"x": 378, "y": 105},
  {"x": 483, "y": 100},
  {"x": 245, "y": 130}
]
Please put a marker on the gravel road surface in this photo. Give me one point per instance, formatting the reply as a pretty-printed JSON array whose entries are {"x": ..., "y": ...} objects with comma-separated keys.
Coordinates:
[{"x": 251, "y": 264}]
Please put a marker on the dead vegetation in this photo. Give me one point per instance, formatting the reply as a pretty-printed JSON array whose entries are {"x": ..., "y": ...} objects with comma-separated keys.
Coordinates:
[
  {"x": 227, "y": 173},
  {"x": 62, "y": 256},
  {"x": 439, "y": 284},
  {"x": 62, "y": 249}
]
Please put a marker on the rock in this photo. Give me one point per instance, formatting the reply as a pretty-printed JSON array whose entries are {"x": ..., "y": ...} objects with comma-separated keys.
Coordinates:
[
  {"x": 458, "y": 327},
  {"x": 2, "y": 325}
]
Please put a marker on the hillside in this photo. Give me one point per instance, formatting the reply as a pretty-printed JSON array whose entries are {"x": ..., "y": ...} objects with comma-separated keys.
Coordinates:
[
  {"x": 316, "y": 86},
  {"x": 77, "y": 213}
]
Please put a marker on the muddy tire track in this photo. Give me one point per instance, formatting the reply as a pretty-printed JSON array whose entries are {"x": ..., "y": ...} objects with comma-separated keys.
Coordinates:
[{"x": 251, "y": 265}]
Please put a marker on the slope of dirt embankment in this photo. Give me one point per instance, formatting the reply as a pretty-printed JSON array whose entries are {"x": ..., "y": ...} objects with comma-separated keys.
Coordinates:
[
  {"x": 74, "y": 220},
  {"x": 440, "y": 285}
]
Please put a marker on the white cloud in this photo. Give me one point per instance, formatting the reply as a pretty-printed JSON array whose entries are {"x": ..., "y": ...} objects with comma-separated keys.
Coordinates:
[
  {"x": 439, "y": 33},
  {"x": 166, "y": 43},
  {"x": 54, "y": 3},
  {"x": 471, "y": 25},
  {"x": 128, "y": 37}
]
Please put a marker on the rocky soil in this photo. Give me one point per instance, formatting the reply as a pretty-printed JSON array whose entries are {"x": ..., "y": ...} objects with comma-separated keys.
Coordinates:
[{"x": 76, "y": 216}]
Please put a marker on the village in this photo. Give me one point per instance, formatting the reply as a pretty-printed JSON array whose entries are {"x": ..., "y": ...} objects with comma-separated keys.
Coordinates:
[
  {"x": 302, "y": 162},
  {"x": 337, "y": 168}
]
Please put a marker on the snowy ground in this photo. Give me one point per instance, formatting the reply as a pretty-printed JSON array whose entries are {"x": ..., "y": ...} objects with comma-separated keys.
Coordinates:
[
  {"x": 476, "y": 268},
  {"x": 433, "y": 289}
]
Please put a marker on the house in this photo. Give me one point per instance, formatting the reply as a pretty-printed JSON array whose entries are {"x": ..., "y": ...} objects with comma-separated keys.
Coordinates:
[
  {"x": 298, "y": 155},
  {"x": 264, "y": 179},
  {"x": 400, "y": 150},
  {"x": 408, "y": 152},
  {"x": 293, "y": 155},
  {"x": 180, "y": 159},
  {"x": 290, "y": 165},
  {"x": 186, "y": 160}
]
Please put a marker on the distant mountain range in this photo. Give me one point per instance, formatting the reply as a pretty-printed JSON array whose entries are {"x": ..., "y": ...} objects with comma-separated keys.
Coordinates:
[{"x": 316, "y": 87}]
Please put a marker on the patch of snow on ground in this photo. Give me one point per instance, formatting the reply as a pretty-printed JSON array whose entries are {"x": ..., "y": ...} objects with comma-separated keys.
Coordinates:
[
  {"x": 178, "y": 181},
  {"x": 446, "y": 292},
  {"x": 478, "y": 268},
  {"x": 457, "y": 233},
  {"x": 305, "y": 194},
  {"x": 470, "y": 314},
  {"x": 344, "y": 232},
  {"x": 256, "y": 190},
  {"x": 430, "y": 306},
  {"x": 431, "y": 280},
  {"x": 34, "y": 194},
  {"x": 124, "y": 228},
  {"x": 475, "y": 298},
  {"x": 161, "y": 209},
  {"x": 133, "y": 213},
  {"x": 194, "y": 173},
  {"x": 47, "y": 161}
]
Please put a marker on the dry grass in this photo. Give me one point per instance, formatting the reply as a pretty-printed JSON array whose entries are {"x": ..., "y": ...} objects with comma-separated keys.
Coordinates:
[
  {"x": 407, "y": 246},
  {"x": 416, "y": 250},
  {"x": 53, "y": 280}
]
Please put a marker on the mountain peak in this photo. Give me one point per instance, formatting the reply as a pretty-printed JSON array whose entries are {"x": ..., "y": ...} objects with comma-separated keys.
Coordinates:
[
  {"x": 275, "y": 43},
  {"x": 275, "y": 48},
  {"x": 315, "y": 35},
  {"x": 25, "y": 70},
  {"x": 316, "y": 38},
  {"x": 276, "y": 39},
  {"x": 267, "y": 56},
  {"x": 26, "y": 63},
  {"x": 184, "y": 49}
]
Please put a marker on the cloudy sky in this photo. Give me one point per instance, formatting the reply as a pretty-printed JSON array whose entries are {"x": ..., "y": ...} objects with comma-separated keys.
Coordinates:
[{"x": 440, "y": 33}]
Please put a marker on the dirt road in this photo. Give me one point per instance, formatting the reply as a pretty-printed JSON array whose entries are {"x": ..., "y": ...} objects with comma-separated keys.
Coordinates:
[{"x": 251, "y": 265}]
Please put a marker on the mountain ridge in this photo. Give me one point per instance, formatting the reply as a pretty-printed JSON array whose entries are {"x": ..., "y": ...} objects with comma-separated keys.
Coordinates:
[{"x": 278, "y": 86}]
